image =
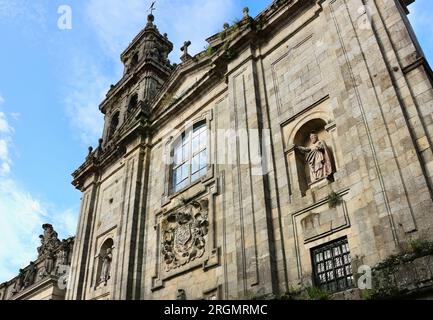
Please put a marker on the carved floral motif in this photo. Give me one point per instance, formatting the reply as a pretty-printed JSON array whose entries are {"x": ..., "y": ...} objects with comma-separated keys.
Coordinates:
[{"x": 184, "y": 235}]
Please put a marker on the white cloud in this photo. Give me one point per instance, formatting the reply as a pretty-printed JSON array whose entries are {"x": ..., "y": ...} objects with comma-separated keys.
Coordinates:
[
  {"x": 21, "y": 218},
  {"x": 30, "y": 16},
  {"x": 194, "y": 20},
  {"x": 116, "y": 23},
  {"x": 5, "y": 131},
  {"x": 5, "y": 169},
  {"x": 86, "y": 90},
  {"x": 4, "y": 151},
  {"x": 22, "y": 215},
  {"x": 4, "y": 125},
  {"x": 66, "y": 222}
]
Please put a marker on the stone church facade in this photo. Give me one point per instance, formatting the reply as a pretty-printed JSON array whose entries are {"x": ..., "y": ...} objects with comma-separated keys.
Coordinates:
[{"x": 296, "y": 148}]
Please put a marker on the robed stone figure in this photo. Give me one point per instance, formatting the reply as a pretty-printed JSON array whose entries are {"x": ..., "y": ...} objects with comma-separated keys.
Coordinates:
[
  {"x": 19, "y": 283},
  {"x": 106, "y": 266},
  {"x": 318, "y": 159},
  {"x": 49, "y": 264}
]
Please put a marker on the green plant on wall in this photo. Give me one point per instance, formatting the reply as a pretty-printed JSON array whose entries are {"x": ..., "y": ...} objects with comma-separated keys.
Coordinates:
[
  {"x": 334, "y": 200},
  {"x": 209, "y": 50},
  {"x": 367, "y": 295},
  {"x": 315, "y": 293},
  {"x": 421, "y": 247}
]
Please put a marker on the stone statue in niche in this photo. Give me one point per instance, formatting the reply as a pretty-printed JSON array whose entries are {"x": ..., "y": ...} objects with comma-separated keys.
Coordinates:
[
  {"x": 318, "y": 159},
  {"x": 184, "y": 235},
  {"x": 106, "y": 266}
]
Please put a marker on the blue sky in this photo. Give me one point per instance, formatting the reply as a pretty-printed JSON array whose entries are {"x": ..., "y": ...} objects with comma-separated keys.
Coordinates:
[{"x": 51, "y": 83}]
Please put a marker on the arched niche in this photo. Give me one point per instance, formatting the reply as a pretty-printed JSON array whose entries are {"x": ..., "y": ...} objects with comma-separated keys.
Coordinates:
[
  {"x": 133, "y": 102},
  {"x": 134, "y": 60},
  {"x": 105, "y": 252},
  {"x": 114, "y": 123},
  {"x": 301, "y": 137}
]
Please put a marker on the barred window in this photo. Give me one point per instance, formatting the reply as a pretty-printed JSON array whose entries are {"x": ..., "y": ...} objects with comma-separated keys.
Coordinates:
[
  {"x": 190, "y": 157},
  {"x": 332, "y": 266}
]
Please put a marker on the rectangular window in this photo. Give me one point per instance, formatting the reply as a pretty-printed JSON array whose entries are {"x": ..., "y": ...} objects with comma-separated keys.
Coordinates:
[
  {"x": 332, "y": 266},
  {"x": 190, "y": 157}
]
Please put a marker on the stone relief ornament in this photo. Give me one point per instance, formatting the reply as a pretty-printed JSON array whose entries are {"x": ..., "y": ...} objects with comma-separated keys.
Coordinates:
[
  {"x": 30, "y": 276},
  {"x": 184, "y": 235},
  {"x": 49, "y": 240}
]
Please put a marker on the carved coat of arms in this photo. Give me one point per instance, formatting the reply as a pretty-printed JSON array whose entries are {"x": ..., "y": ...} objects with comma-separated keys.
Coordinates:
[{"x": 184, "y": 235}]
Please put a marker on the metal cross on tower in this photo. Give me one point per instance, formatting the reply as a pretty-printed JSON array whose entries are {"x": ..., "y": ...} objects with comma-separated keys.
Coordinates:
[{"x": 152, "y": 7}]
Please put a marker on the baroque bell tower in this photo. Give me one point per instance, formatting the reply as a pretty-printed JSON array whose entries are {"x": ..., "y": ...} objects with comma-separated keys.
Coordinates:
[
  {"x": 149, "y": 51},
  {"x": 109, "y": 253}
]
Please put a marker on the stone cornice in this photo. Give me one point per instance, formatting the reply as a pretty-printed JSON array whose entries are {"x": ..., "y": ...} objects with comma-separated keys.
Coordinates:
[{"x": 50, "y": 281}]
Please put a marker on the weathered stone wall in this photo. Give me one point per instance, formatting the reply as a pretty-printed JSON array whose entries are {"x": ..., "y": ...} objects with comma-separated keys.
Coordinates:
[
  {"x": 352, "y": 74},
  {"x": 406, "y": 276}
]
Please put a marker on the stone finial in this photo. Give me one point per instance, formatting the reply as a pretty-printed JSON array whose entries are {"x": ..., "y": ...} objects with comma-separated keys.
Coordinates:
[
  {"x": 246, "y": 12},
  {"x": 184, "y": 49},
  {"x": 151, "y": 17},
  {"x": 90, "y": 150},
  {"x": 150, "y": 20},
  {"x": 226, "y": 26}
]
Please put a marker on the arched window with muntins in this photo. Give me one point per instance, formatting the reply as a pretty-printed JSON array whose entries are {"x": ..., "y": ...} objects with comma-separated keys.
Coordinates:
[{"x": 190, "y": 157}]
